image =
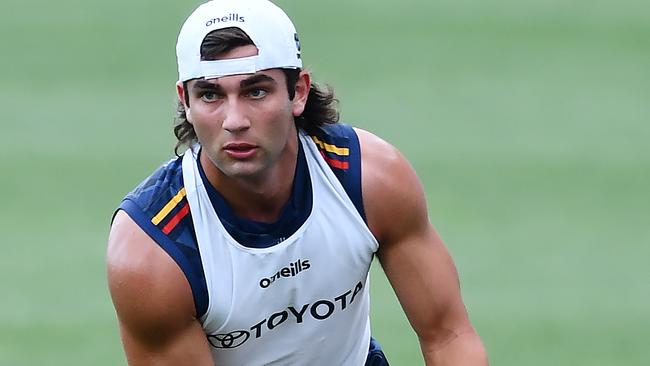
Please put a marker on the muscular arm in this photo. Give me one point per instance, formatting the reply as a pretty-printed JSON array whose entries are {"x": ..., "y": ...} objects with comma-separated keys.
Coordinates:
[
  {"x": 153, "y": 301},
  {"x": 414, "y": 257}
]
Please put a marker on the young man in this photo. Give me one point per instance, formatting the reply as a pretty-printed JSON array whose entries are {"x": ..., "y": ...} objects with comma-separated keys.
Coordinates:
[{"x": 254, "y": 246}]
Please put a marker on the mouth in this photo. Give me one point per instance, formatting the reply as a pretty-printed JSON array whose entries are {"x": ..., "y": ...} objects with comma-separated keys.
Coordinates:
[{"x": 239, "y": 150}]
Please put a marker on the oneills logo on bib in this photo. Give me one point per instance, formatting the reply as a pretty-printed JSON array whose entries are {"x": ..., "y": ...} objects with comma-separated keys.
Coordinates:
[
  {"x": 290, "y": 271},
  {"x": 228, "y": 18}
]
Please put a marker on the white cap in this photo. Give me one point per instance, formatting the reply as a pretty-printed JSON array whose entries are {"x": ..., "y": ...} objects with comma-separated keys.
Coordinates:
[{"x": 267, "y": 25}]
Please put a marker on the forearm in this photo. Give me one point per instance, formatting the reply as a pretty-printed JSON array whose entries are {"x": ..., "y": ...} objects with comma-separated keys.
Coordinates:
[{"x": 465, "y": 349}]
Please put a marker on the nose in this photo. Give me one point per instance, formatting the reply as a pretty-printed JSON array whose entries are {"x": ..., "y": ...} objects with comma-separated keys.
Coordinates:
[{"x": 235, "y": 120}]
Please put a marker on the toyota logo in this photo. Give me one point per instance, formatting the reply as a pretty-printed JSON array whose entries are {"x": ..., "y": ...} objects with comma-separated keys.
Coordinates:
[{"x": 230, "y": 340}]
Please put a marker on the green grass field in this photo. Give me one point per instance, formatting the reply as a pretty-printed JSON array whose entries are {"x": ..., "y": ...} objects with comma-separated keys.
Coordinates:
[{"x": 527, "y": 122}]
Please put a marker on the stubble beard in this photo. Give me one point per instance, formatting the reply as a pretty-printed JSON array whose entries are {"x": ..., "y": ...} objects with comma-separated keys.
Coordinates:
[{"x": 251, "y": 169}]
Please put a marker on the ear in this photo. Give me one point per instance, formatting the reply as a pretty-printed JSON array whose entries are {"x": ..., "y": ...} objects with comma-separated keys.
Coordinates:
[
  {"x": 181, "y": 93},
  {"x": 303, "y": 85},
  {"x": 180, "y": 90}
]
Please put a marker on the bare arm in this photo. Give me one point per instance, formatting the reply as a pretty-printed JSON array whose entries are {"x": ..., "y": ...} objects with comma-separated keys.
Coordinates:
[
  {"x": 414, "y": 257},
  {"x": 153, "y": 301}
]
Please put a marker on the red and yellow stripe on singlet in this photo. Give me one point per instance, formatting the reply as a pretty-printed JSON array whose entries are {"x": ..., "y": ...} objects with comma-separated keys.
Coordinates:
[
  {"x": 342, "y": 152},
  {"x": 168, "y": 208}
]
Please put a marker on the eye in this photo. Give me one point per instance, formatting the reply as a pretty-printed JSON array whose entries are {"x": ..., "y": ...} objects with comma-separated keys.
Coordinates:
[
  {"x": 257, "y": 93},
  {"x": 208, "y": 96}
]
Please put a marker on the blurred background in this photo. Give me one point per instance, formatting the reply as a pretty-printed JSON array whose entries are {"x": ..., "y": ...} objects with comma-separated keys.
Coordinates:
[{"x": 526, "y": 120}]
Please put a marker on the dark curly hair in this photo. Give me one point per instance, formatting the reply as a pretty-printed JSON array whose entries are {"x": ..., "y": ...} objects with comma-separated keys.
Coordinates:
[{"x": 320, "y": 109}]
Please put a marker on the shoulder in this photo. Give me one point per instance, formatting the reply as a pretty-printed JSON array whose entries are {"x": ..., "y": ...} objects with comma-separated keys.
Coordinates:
[
  {"x": 393, "y": 195},
  {"x": 156, "y": 216},
  {"x": 137, "y": 267},
  {"x": 148, "y": 289},
  {"x": 152, "y": 300}
]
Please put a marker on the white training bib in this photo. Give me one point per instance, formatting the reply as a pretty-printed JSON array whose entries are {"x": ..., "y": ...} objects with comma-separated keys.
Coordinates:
[{"x": 304, "y": 301}]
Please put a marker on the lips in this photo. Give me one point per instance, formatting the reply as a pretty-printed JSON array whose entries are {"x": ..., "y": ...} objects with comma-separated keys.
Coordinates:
[{"x": 239, "y": 150}]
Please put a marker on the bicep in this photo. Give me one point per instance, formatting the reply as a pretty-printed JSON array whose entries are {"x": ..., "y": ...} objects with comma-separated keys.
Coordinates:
[
  {"x": 425, "y": 281},
  {"x": 413, "y": 256},
  {"x": 153, "y": 301},
  {"x": 185, "y": 346}
]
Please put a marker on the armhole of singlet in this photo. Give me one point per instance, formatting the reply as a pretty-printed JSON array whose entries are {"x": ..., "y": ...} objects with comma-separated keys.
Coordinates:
[
  {"x": 353, "y": 183},
  {"x": 193, "y": 272},
  {"x": 346, "y": 168}
]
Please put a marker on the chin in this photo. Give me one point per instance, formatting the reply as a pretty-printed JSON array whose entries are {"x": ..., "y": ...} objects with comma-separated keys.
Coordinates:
[{"x": 242, "y": 170}]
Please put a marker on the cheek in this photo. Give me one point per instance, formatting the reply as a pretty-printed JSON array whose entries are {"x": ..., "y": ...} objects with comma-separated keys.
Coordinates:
[
  {"x": 200, "y": 116},
  {"x": 285, "y": 109},
  {"x": 281, "y": 121},
  {"x": 189, "y": 116},
  {"x": 275, "y": 123},
  {"x": 201, "y": 125}
]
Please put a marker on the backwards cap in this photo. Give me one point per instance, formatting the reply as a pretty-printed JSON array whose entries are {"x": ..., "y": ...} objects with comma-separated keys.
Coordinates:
[{"x": 267, "y": 25}]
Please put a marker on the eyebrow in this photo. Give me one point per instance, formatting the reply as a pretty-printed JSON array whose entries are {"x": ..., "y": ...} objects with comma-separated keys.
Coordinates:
[
  {"x": 259, "y": 78},
  {"x": 255, "y": 79},
  {"x": 203, "y": 84}
]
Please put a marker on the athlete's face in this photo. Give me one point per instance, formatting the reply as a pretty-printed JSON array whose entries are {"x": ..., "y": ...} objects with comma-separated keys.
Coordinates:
[{"x": 245, "y": 123}]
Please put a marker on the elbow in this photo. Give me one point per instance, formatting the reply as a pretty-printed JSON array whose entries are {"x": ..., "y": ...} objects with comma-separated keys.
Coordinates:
[{"x": 460, "y": 346}]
